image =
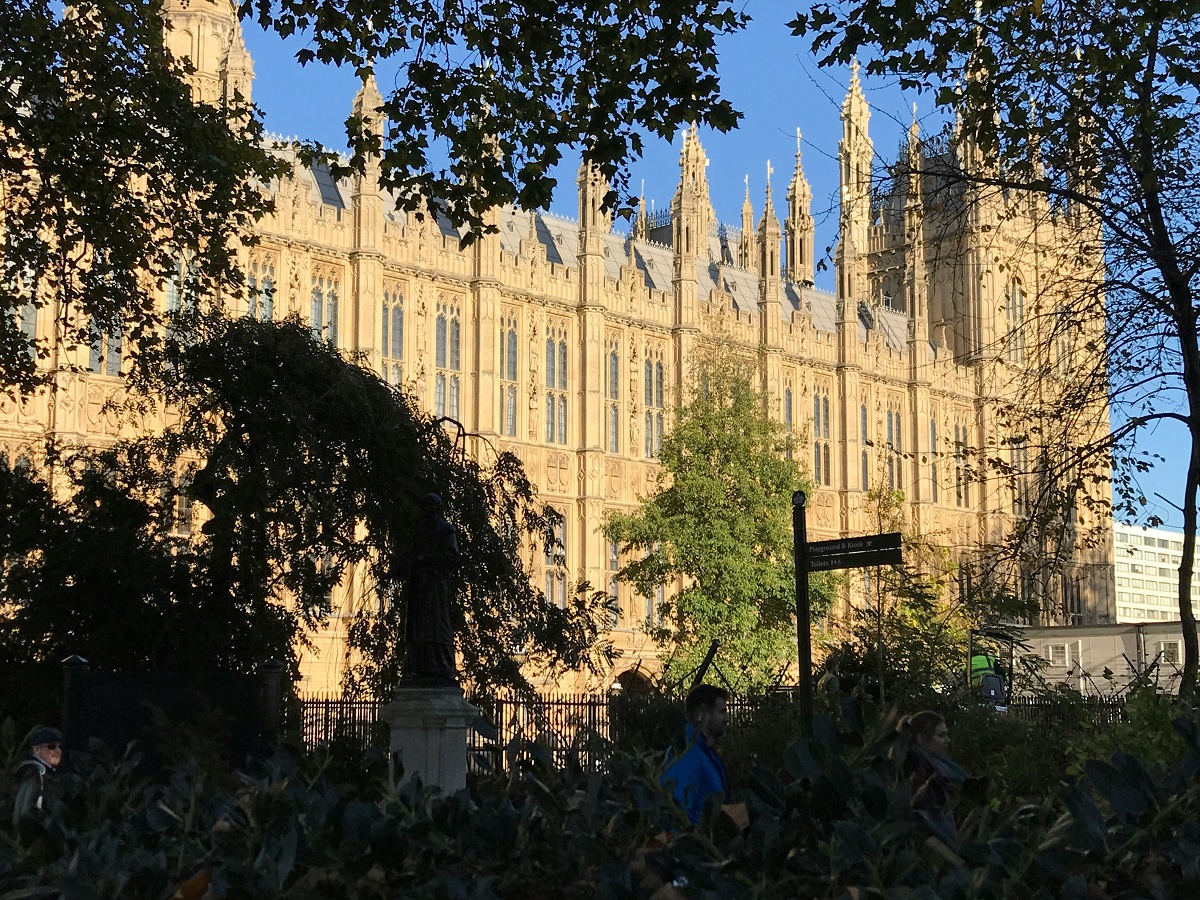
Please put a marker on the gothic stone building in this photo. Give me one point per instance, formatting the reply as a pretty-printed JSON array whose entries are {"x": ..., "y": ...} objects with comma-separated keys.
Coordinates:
[{"x": 567, "y": 342}]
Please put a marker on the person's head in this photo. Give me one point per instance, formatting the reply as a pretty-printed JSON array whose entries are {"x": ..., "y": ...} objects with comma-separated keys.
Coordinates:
[
  {"x": 927, "y": 729},
  {"x": 46, "y": 745},
  {"x": 705, "y": 708},
  {"x": 431, "y": 505}
]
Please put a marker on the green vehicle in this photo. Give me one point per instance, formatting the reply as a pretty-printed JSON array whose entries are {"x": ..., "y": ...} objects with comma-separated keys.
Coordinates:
[{"x": 988, "y": 675}]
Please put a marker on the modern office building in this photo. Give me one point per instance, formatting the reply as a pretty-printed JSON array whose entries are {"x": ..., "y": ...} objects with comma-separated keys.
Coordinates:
[{"x": 1147, "y": 572}]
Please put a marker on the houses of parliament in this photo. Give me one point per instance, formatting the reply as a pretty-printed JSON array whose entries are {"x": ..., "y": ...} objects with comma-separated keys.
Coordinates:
[{"x": 569, "y": 343}]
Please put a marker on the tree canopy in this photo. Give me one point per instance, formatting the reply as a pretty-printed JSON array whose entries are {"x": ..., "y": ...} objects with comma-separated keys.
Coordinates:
[
  {"x": 498, "y": 89},
  {"x": 111, "y": 178},
  {"x": 719, "y": 522},
  {"x": 114, "y": 181},
  {"x": 306, "y": 471},
  {"x": 1092, "y": 105}
]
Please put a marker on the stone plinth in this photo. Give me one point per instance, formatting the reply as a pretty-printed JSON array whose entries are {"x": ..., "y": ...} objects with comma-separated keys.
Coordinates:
[{"x": 429, "y": 734}]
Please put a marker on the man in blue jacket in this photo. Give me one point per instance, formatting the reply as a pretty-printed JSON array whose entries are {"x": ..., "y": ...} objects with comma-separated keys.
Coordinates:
[{"x": 698, "y": 773}]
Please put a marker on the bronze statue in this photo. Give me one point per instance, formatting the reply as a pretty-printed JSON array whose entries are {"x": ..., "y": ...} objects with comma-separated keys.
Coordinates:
[{"x": 428, "y": 626}]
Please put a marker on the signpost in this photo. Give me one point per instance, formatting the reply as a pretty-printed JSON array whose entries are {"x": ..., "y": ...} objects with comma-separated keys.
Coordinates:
[{"x": 825, "y": 556}]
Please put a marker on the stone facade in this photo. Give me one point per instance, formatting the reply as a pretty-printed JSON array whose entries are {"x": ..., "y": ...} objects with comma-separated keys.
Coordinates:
[{"x": 568, "y": 343}]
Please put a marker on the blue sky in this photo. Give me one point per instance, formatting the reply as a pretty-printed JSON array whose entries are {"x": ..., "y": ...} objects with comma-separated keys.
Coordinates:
[{"x": 768, "y": 75}]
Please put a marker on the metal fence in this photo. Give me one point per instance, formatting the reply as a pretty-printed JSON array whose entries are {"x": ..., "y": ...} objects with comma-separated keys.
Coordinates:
[
  {"x": 1077, "y": 711},
  {"x": 580, "y": 728}
]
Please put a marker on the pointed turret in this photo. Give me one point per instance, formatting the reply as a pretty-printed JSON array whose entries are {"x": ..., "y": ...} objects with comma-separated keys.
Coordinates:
[
  {"x": 747, "y": 253},
  {"x": 594, "y": 223},
  {"x": 917, "y": 299},
  {"x": 368, "y": 106},
  {"x": 799, "y": 224},
  {"x": 770, "y": 293},
  {"x": 691, "y": 209},
  {"x": 691, "y": 213},
  {"x": 856, "y": 154},
  {"x": 368, "y": 109},
  {"x": 237, "y": 69},
  {"x": 638, "y": 231},
  {"x": 366, "y": 257},
  {"x": 593, "y": 189}
]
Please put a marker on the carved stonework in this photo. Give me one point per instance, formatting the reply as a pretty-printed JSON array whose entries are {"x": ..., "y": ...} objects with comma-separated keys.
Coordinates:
[
  {"x": 310, "y": 243},
  {"x": 558, "y": 472},
  {"x": 614, "y": 476}
]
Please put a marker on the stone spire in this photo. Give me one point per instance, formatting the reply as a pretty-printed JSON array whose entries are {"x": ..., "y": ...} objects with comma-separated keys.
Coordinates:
[
  {"x": 768, "y": 237},
  {"x": 770, "y": 293},
  {"x": 855, "y": 156},
  {"x": 639, "y": 229},
  {"x": 367, "y": 197},
  {"x": 798, "y": 226},
  {"x": 914, "y": 234},
  {"x": 368, "y": 106},
  {"x": 237, "y": 69},
  {"x": 746, "y": 252},
  {"x": 691, "y": 209}
]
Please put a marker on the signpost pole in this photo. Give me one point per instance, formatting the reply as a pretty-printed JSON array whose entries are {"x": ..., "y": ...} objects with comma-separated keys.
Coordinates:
[{"x": 803, "y": 613}]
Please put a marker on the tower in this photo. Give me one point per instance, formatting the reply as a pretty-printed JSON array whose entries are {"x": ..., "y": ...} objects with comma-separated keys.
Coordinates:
[
  {"x": 855, "y": 155},
  {"x": 770, "y": 309},
  {"x": 366, "y": 258},
  {"x": 747, "y": 252},
  {"x": 691, "y": 213},
  {"x": 207, "y": 33},
  {"x": 798, "y": 227}
]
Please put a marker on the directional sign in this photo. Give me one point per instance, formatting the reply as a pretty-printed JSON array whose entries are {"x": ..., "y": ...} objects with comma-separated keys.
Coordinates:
[
  {"x": 890, "y": 541},
  {"x": 890, "y": 557}
]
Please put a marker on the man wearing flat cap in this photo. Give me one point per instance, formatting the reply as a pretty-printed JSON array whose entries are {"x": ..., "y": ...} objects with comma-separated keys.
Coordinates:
[{"x": 33, "y": 775}]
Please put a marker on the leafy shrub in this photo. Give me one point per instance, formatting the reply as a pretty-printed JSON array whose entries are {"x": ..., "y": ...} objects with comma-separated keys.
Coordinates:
[
  {"x": 1147, "y": 731},
  {"x": 831, "y": 818}
]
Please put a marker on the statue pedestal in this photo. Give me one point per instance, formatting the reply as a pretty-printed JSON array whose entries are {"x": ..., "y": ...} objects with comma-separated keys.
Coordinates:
[{"x": 429, "y": 732}]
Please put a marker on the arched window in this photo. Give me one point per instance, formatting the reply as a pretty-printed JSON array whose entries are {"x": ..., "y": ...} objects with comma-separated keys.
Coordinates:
[
  {"x": 556, "y": 385},
  {"x": 614, "y": 595},
  {"x": 392, "y": 343},
  {"x": 1014, "y": 314},
  {"x": 787, "y": 421},
  {"x": 933, "y": 461},
  {"x": 447, "y": 359},
  {"x": 865, "y": 442},
  {"x": 655, "y": 376},
  {"x": 895, "y": 467},
  {"x": 324, "y": 315},
  {"x": 260, "y": 298},
  {"x": 822, "y": 457},
  {"x": 104, "y": 349},
  {"x": 962, "y": 486},
  {"x": 612, "y": 393},
  {"x": 555, "y": 559},
  {"x": 508, "y": 374}
]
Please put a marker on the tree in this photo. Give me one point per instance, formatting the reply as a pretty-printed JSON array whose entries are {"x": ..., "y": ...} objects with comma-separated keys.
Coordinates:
[
  {"x": 908, "y": 639},
  {"x": 309, "y": 469},
  {"x": 1093, "y": 107},
  {"x": 719, "y": 523},
  {"x": 112, "y": 179},
  {"x": 115, "y": 182},
  {"x": 500, "y": 88}
]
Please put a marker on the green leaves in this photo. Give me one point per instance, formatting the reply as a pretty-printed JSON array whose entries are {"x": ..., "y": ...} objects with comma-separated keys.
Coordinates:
[
  {"x": 306, "y": 471},
  {"x": 500, "y": 89},
  {"x": 720, "y": 520},
  {"x": 105, "y": 156}
]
